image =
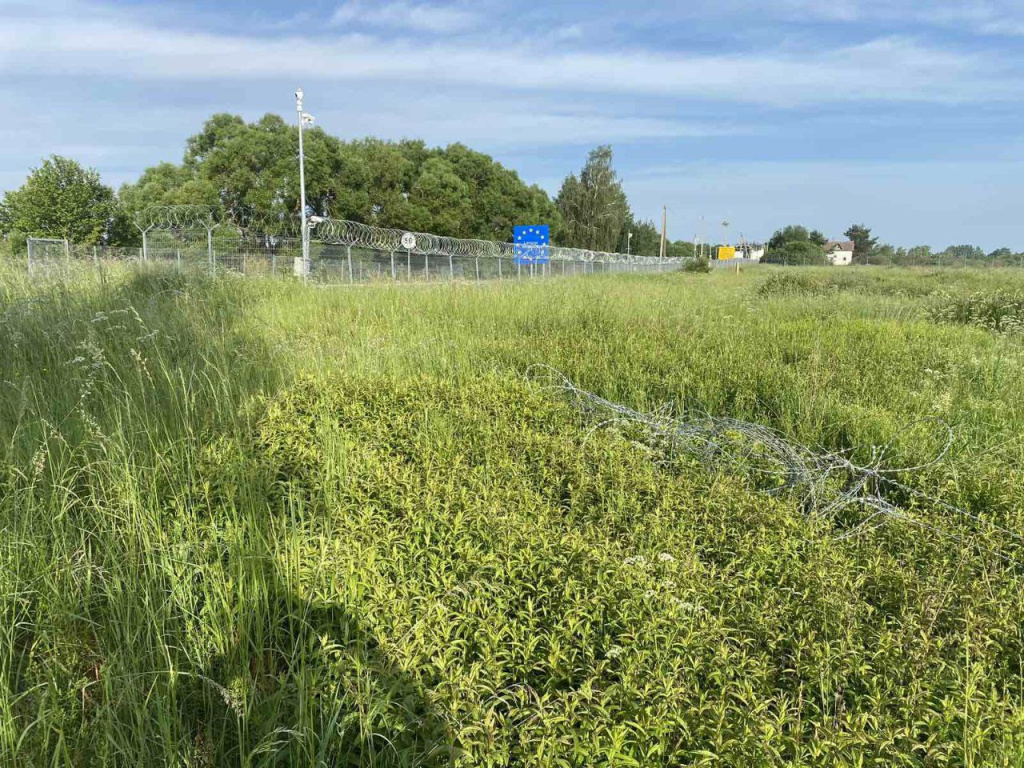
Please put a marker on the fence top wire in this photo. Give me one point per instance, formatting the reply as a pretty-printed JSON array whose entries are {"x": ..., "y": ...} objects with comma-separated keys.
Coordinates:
[
  {"x": 177, "y": 218},
  {"x": 329, "y": 231},
  {"x": 353, "y": 233}
]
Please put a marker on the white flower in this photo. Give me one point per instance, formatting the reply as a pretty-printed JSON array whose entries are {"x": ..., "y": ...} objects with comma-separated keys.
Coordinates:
[
  {"x": 689, "y": 607},
  {"x": 614, "y": 652},
  {"x": 635, "y": 560},
  {"x": 665, "y": 557}
]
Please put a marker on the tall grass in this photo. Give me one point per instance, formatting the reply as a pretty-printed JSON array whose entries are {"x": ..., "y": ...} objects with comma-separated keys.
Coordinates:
[{"x": 249, "y": 522}]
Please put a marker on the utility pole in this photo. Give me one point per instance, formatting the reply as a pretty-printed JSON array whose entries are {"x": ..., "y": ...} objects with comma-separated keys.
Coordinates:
[
  {"x": 304, "y": 120},
  {"x": 664, "y": 228},
  {"x": 629, "y": 242}
]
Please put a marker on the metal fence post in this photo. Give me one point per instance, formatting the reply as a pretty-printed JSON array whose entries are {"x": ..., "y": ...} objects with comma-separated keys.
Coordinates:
[
  {"x": 426, "y": 267},
  {"x": 451, "y": 268},
  {"x": 348, "y": 255},
  {"x": 408, "y": 264},
  {"x": 477, "y": 260},
  {"x": 394, "y": 274},
  {"x": 499, "y": 267}
]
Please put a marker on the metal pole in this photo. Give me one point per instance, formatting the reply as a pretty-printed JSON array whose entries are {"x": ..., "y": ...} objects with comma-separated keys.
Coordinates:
[
  {"x": 209, "y": 249},
  {"x": 478, "y": 269},
  {"x": 348, "y": 254},
  {"x": 408, "y": 264},
  {"x": 302, "y": 188},
  {"x": 499, "y": 267},
  {"x": 394, "y": 274},
  {"x": 426, "y": 267},
  {"x": 451, "y": 268},
  {"x": 145, "y": 255}
]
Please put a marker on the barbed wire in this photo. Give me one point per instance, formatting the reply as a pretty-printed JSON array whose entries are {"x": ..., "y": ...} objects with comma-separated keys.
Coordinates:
[
  {"x": 329, "y": 231},
  {"x": 178, "y": 218},
  {"x": 356, "y": 234},
  {"x": 828, "y": 485}
]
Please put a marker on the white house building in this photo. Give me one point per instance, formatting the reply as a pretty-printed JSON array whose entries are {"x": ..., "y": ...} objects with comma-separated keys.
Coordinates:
[{"x": 839, "y": 253}]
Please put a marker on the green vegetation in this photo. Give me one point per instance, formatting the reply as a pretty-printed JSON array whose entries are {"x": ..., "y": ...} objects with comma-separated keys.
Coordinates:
[
  {"x": 60, "y": 199},
  {"x": 249, "y": 522},
  {"x": 246, "y": 172}
]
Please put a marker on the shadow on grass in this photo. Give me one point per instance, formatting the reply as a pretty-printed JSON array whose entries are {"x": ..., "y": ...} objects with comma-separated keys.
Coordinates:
[{"x": 306, "y": 683}]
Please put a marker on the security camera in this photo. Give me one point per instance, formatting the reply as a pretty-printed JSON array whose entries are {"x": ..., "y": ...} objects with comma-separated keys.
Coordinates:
[{"x": 314, "y": 220}]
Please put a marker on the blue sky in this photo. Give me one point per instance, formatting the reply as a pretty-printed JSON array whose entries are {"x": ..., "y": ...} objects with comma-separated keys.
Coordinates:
[{"x": 903, "y": 115}]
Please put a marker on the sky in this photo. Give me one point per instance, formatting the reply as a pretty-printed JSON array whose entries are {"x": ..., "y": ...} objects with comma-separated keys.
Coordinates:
[{"x": 904, "y": 115}]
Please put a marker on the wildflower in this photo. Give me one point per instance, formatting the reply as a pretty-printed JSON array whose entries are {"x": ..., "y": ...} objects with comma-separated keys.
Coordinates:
[
  {"x": 635, "y": 560},
  {"x": 614, "y": 652},
  {"x": 688, "y": 607},
  {"x": 665, "y": 557},
  {"x": 39, "y": 463}
]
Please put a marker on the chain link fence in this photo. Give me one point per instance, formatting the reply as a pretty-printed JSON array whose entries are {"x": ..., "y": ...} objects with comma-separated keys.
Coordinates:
[{"x": 271, "y": 256}]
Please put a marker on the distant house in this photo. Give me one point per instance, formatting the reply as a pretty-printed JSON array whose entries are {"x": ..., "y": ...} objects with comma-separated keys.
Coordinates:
[{"x": 839, "y": 252}]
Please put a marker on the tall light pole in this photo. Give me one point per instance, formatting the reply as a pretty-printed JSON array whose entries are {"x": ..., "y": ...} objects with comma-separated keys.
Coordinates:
[
  {"x": 304, "y": 120},
  {"x": 629, "y": 240}
]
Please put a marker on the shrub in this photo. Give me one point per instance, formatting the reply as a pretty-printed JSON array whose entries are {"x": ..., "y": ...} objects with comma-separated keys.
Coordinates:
[{"x": 1001, "y": 311}]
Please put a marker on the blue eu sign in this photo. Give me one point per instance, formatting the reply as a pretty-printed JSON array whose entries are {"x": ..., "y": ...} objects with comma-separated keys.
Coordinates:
[{"x": 531, "y": 244}]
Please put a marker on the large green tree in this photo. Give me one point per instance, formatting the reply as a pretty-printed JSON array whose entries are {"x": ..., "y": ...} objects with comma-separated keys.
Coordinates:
[
  {"x": 251, "y": 171},
  {"x": 795, "y": 233},
  {"x": 61, "y": 199},
  {"x": 593, "y": 205},
  {"x": 864, "y": 243},
  {"x": 794, "y": 252},
  {"x": 646, "y": 239}
]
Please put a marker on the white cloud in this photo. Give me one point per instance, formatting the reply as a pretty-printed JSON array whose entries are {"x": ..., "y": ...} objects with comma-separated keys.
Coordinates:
[
  {"x": 889, "y": 69},
  {"x": 979, "y": 17},
  {"x": 497, "y": 122},
  {"x": 401, "y": 14}
]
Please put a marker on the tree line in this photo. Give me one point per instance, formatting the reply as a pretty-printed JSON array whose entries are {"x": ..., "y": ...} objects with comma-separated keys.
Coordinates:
[
  {"x": 797, "y": 245},
  {"x": 249, "y": 172}
]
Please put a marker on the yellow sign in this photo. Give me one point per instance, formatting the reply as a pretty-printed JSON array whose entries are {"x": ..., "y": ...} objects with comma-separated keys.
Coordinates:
[{"x": 726, "y": 252}]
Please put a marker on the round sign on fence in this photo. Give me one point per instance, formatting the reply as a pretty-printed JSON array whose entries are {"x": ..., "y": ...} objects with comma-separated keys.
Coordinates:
[{"x": 408, "y": 241}]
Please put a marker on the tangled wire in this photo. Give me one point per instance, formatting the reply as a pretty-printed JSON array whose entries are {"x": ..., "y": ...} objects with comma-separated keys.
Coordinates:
[{"x": 828, "y": 485}]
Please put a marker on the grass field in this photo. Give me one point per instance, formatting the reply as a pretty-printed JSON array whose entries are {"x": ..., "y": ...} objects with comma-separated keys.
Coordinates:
[{"x": 250, "y": 523}]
